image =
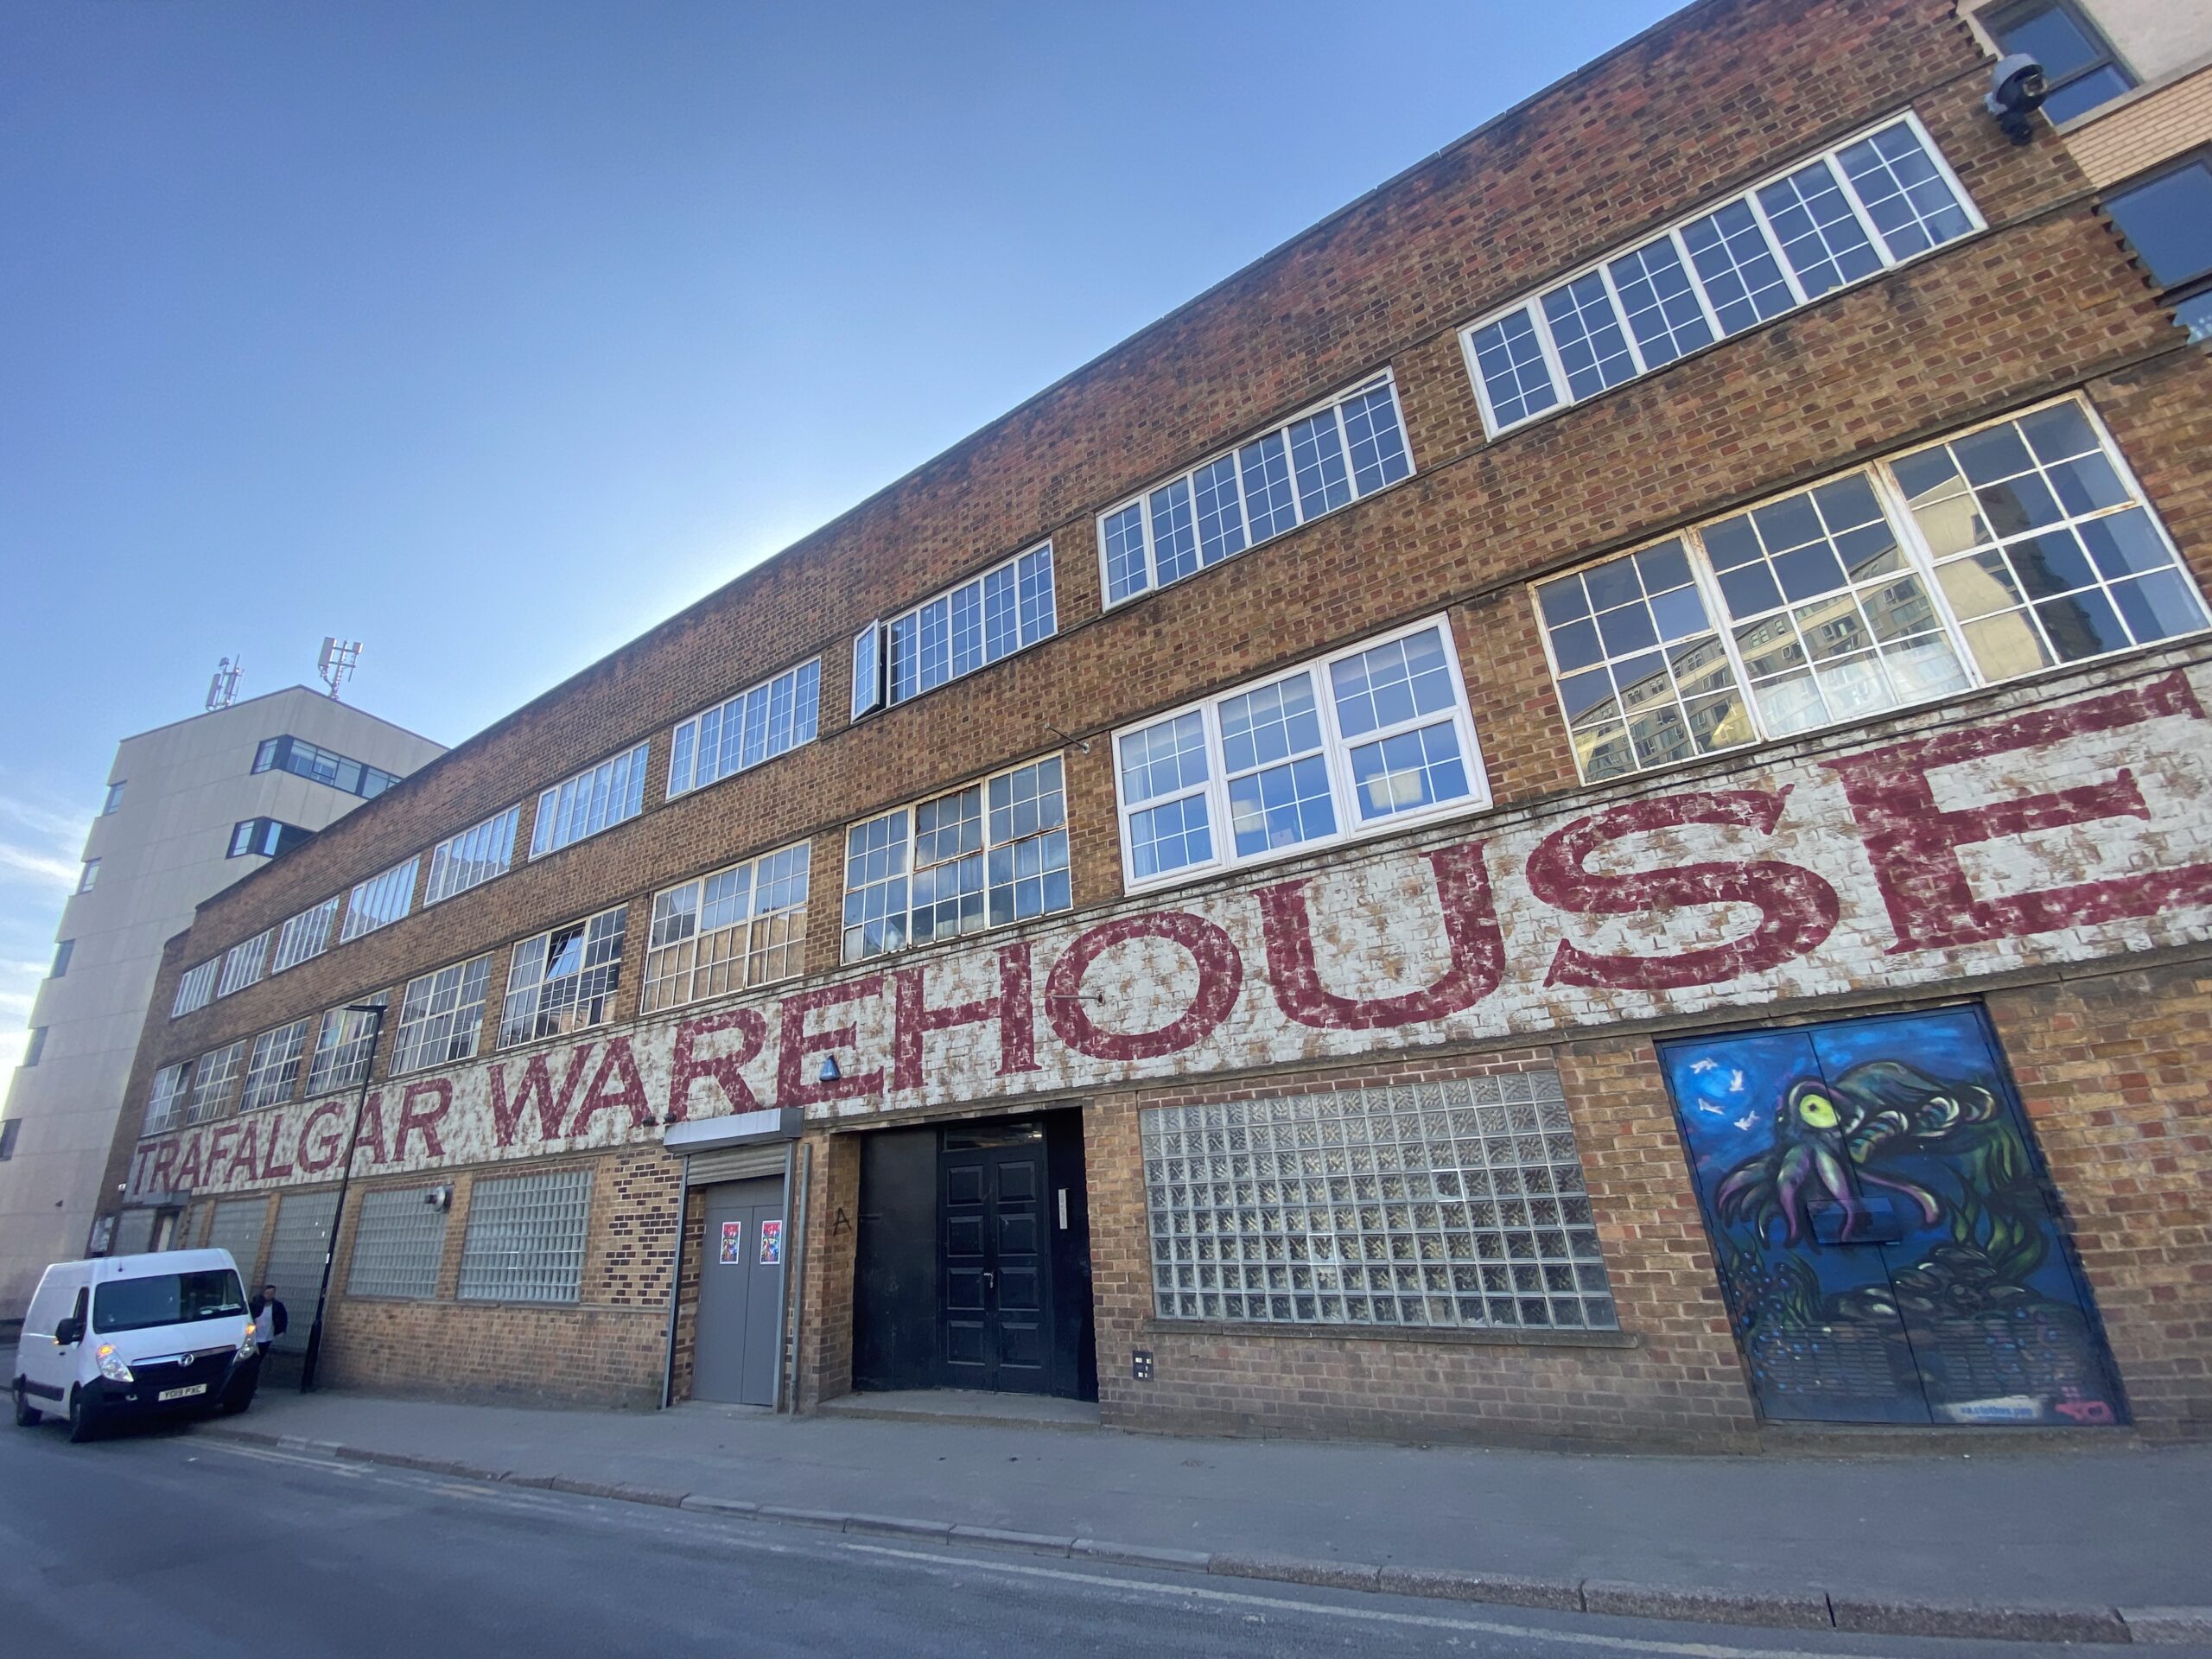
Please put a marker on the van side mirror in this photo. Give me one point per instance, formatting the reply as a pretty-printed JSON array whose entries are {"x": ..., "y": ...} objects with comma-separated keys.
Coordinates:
[{"x": 67, "y": 1330}]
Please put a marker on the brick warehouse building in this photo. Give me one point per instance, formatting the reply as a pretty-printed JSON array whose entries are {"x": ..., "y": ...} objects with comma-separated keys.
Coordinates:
[{"x": 1573, "y": 807}]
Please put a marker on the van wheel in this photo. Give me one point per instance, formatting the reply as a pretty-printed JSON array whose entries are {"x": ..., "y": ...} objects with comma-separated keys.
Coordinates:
[
  {"x": 82, "y": 1423},
  {"x": 27, "y": 1414}
]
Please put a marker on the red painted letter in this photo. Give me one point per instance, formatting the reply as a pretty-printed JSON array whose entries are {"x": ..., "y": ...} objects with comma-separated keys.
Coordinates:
[
  {"x": 796, "y": 1044},
  {"x": 727, "y": 1070},
  {"x": 327, "y": 1153},
  {"x": 424, "y": 1122},
  {"x": 911, "y": 1018},
  {"x": 615, "y": 1083},
  {"x": 1221, "y": 976},
  {"x": 537, "y": 1083}
]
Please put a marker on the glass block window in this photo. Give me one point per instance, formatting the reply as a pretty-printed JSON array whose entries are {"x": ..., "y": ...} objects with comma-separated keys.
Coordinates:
[
  {"x": 770, "y": 719},
  {"x": 441, "y": 1016},
  {"x": 742, "y": 927},
  {"x": 195, "y": 989},
  {"x": 1363, "y": 741},
  {"x": 564, "y": 979},
  {"x": 995, "y": 615},
  {"x": 304, "y": 936},
  {"x": 172, "y": 1088},
  {"x": 2081, "y": 71},
  {"x": 273, "y": 1071},
  {"x": 589, "y": 802},
  {"x": 1827, "y": 221},
  {"x": 1446, "y": 1205},
  {"x": 244, "y": 964},
  {"x": 993, "y": 853},
  {"x": 380, "y": 900},
  {"x": 237, "y": 1228},
  {"x": 215, "y": 1075},
  {"x": 525, "y": 1238},
  {"x": 1347, "y": 447},
  {"x": 474, "y": 857},
  {"x": 2019, "y": 545},
  {"x": 344, "y": 1044},
  {"x": 398, "y": 1241}
]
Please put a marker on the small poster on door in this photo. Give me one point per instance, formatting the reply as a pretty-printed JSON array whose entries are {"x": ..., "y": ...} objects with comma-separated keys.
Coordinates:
[
  {"x": 733, "y": 1243},
  {"x": 772, "y": 1244}
]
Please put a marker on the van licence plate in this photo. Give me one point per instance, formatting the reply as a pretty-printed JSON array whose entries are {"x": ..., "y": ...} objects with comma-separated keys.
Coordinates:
[{"x": 181, "y": 1394}]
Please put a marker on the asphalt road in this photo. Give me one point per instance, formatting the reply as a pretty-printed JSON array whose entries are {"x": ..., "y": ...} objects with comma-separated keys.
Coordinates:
[{"x": 185, "y": 1545}]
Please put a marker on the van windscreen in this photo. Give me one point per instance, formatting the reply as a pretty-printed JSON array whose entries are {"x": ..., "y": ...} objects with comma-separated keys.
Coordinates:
[{"x": 167, "y": 1298}]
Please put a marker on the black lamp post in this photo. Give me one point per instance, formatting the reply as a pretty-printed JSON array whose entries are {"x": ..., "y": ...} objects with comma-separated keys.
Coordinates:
[{"x": 375, "y": 1011}]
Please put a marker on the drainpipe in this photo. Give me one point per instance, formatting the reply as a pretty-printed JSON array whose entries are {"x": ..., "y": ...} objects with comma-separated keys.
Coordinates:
[
  {"x": 675, "y": 1286},
  {"x": 794, "y": 1277}
]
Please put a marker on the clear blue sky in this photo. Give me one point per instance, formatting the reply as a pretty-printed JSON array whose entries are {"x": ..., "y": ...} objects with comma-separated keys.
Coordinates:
[{"x": 491, "y": 334}]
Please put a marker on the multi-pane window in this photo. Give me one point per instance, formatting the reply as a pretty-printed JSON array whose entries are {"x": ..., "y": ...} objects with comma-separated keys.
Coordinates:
[
  {"x": 264, "y": 838},
  {"x": 304, "y": 759},
  {"x": 345, "y": 1043},
  {"x": 172, "y": 1088},
  {"x": 992, "y": 853},
  {"x": 1450, "y": 1205},
  {"x": 2080, "y": 69},
  {"x": 441, "y": 1016},
  {"x": 1835, "y": 218},
  {"x": 525, "y": 1238},
  {"x": 380, "y": 900},
  {"x": 1348, "y": 447},
  {"x": 754, "y": 726},
  {"x": 196, "y": 989},
  {"x": 564, "y": 979},
  {"x": 995, "y": 615},
  {"x": 304, "y": 936},
  {"x": 2168, "y": 219},
  {"x": 114, "y": 797},
  {"x": 1973, "y": 560},
  {"x": 589, "y": 802},
  {"x": 274, "y": 1070},
  {"x": 244, "y": 963},
  {"x": 1363, "y": 740},
  {"x": 398, "y": 1242},
  {"x": 214, "y": 1074},
  {"x": 743, "y": 925},
  {"x": 473, "y": 857}
]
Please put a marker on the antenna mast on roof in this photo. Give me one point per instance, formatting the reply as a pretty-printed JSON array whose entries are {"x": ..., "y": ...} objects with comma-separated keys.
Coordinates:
[
  {"x": 338, "y": 659},
  {"x": 223, "y": 690}
]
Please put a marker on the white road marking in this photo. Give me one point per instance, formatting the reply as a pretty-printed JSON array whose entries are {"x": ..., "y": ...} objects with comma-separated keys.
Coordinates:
[{"x": 263, "y": 1454}]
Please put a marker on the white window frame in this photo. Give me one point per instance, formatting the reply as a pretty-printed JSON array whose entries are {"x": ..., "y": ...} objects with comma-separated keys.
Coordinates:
[
  {"x": 477, "y": 853},
  {"x": 1383, "y": 379},
  {"x": 1919, "y": 561},
  {"x": 1532, "y": 301},
  {"x": 165, "y": 1105},
  {"x": 195, "y": 988},
  {"x": 805, "y": 693},
  {"x": 278, "y": 1054},
  {"x": 343, "y": 1051},
  {"x": 586, "y": 803},
  {"x": 407, "y": 1055},
  {"x": 1336, "y": 751},
  {"x": 671, "y": 929},
  {"x": 215, "y": 1075},
  {"x": 369, "y": 901},
  {"x": 601, "y": 940},
  {"x": 245, "y": 964},
  {"x": 304, "y": 936},
  {"x": 874, "y": 657}
]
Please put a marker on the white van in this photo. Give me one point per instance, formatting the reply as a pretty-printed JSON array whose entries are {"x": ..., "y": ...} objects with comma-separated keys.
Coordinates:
[{"x": 125, "y": 1336}]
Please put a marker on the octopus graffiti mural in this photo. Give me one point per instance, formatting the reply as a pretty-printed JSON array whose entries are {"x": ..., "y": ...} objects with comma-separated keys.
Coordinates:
[{"x": 1887, "y": 1246}]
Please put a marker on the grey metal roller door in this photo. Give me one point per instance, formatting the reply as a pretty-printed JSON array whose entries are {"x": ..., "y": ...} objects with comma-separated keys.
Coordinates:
[
  {"x": 736, "y": 1164},
  {"x": 295, "y": 1254},
  {"x": 237, "y": 1228}
]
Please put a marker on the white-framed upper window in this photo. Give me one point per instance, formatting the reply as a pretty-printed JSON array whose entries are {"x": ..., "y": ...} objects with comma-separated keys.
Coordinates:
[
  {"x": 1360, "y": 742},
  {"x": 1871, "y": 203},
  {"x": 589, "y": 802},
  {"x": 992, "y": 853},
  {"x": 244, "y": 963},
  {"x": 441, "y": 1016},
  {"x": 165, "y": 1108},
  {"x": 345, "y": 1043},
  {"x": 273, "y": 1071},
  {"x": 1009, "y": 606},
  {"x": 1323, "y": 458},
  {"x": 473, "y": 857},
  {"x": 196, "y": 988},
  {"x": 2014, "y": 547},
  {"x": 757, "y": 724},
  {"x": 742, "y": 927},
  {"x": 380, "y": 900},
  {"x": 564, "y": 979},
  {"x": 304, "y": 936},
  {"x": 214, "y": 1074}
]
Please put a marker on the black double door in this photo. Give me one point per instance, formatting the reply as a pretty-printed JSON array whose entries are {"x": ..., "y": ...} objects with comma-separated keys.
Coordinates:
[{"x": 994, "y": 1265}]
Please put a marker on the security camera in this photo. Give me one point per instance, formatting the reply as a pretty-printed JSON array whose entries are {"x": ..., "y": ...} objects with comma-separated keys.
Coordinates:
[
  {"x": 439, "y": 1198},
  {"x": 2016, "y": 92}
]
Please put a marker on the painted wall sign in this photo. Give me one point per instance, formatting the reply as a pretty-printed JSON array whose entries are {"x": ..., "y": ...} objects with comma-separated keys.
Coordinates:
[{"x": 2046, "y": 833}]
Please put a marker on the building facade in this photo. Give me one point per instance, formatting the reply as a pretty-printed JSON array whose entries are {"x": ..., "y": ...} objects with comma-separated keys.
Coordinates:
[
  {"x": 1574, "y": 807},
  {"x": 189, "y": 808}
]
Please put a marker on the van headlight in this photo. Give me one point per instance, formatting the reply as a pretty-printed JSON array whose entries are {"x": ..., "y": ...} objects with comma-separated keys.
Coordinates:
[
  {"x": 112, "y": 1365},
  {"x": 245, "y": 1344}
]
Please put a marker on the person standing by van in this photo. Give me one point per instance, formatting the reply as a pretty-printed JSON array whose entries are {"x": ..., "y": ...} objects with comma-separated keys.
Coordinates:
[{"x": 269, "y": 1320}]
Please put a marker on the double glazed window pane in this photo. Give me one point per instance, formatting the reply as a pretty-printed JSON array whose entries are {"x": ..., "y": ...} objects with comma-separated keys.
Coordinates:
[
  {"x": 1819, "y": 235},
  {"x": 875, "y": 885},
  {"x": 1278, "y": 779},
  {"x": 1166, "y": 764},
  {"x": 1663, "y": 307},
  {"x": 1592, "y": 349},
  {"x": 1904, "y": 194},
  {"x": 1386, "y": 692},
  {"x": 1510, "y": 361},
  {"x": 1741, "y": 276}
]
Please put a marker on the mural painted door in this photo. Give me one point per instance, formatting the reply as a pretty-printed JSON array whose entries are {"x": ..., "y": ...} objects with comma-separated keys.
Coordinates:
[{"x": 1884, "y": 1237}]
